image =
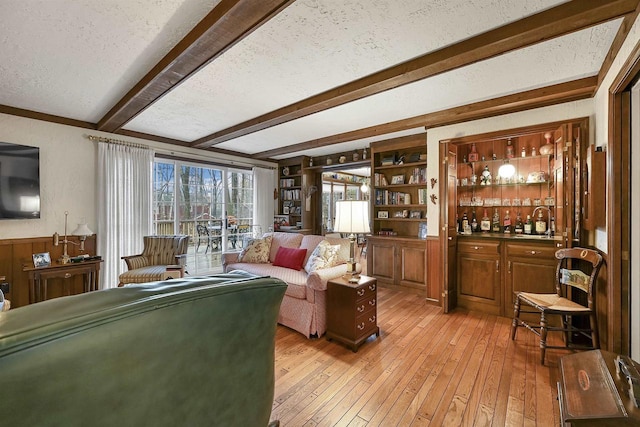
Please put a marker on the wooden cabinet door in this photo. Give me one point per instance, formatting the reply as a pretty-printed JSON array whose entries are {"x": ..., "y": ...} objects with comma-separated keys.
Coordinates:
[
  {"x": 530, "y": 268},
  {"x": 382, "y": 260},
  {"x": 478, "y": 278},
  {"x": 413, "y": 265},
  {"x": 449, "y": 226}
]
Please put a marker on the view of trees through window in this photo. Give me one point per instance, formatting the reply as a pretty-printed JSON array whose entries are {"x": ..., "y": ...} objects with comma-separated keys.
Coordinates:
[{"x": 216, "y": 198}]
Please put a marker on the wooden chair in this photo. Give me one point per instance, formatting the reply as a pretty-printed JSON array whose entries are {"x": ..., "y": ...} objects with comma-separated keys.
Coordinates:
[{"x": 569, "y": 272}]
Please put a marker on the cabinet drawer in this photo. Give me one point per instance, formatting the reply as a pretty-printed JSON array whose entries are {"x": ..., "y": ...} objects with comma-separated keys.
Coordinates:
[
  {"x": 477, "y": 247},
  {"x": 528, "y": 250},
  {"x": 366, "y": 292},
  {"x": 366, "y": 304},
  {"x": 366, "y": 324}
]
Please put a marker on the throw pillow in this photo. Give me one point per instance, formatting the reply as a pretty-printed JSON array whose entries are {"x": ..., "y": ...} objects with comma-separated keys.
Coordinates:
[
  {"x": 323, "y": 256},
  {"x": 256, "y": 251},
  {"x": 290, "y": 258}
]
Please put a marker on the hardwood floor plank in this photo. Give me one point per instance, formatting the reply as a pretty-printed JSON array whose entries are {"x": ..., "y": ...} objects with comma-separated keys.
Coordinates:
[{"x": 426, "y": 369}]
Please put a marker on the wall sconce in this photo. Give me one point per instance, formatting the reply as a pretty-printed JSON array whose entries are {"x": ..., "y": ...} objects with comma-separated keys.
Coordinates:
[{"x": 82, "y": 231}]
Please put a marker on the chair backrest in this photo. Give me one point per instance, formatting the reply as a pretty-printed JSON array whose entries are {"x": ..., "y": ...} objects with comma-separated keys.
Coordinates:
[
  {"x": 571, "y": 271},
  {"x": 202, "y": 230},
  {"x": 162, "y": 250}
]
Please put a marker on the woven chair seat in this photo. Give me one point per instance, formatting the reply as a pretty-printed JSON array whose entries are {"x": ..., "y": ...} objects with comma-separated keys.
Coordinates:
[{"x": 552, "y": 302}]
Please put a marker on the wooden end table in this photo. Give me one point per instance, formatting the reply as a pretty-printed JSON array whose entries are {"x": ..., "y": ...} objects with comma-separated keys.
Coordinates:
[{"x": 352, "y": 310}]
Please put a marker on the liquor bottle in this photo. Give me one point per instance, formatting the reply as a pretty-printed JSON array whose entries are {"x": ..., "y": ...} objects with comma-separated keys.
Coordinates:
[
  {"x": 541, "y": 226},
  {"x": 509, "y": 149},
  {"x": 473, "y": 155},
  {"x": 523, "y": 153},
  {"x": 485, "y": 223},
  {"x": 495, "y": 222},
  {"x": 458, "y": 224},
  {"x": 519, "y": 227},
  {"x": 465, "y": 222},
  {"x": 553, "y": 226},
  {"x": 506, "y": 222},
  {"x": 528, "y": 225},
  {"x": 474, "y": 222}
]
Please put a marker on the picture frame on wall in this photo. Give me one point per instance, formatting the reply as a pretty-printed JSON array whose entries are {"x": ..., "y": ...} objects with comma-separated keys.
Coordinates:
[{"x": 42, "y": 259}]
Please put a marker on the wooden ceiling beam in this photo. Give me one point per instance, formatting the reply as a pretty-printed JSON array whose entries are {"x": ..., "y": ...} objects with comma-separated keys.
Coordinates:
[
  {"x": 228, "y": 23},
  {"x": 555, "y": 22},
  {"x": 535, "y": 98}
]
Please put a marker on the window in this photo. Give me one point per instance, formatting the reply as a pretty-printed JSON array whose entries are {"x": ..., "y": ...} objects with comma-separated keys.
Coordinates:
[{"x": 218, "y": 199}]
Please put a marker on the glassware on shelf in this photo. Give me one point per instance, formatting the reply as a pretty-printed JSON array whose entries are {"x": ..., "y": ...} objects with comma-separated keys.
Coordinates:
[
  {"x": 537, "y": 202},
  {"x": 516, "y": 202},
  {"x": 526, "y": 201},
  {"x": 506, "y": 202},
  {"x": 549, "y": 201}
]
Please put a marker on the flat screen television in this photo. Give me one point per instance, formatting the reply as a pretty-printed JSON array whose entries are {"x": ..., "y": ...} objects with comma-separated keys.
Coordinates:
[{"x": 19, "y": 181}]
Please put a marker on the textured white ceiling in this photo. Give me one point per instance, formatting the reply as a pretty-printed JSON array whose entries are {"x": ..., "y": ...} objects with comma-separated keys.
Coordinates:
[
  {"x": 314, "y": 46},
  {"x": 77, "y": 58}
]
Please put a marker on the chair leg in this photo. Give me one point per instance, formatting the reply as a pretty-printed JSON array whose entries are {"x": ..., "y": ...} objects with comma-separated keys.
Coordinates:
[
  {"x": 516, "y": 316},
  {"x": 595, "y": 336},
  {"x": 566, "y": 321},
  {"x": 543, "y": 337}
]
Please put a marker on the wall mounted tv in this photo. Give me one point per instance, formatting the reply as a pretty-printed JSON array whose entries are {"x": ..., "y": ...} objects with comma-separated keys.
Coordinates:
[{"x": 19, "y": 181}]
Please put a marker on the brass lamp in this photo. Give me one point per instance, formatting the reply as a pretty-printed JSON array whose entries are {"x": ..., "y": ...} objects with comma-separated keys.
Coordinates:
[
  {"x": 82, "y": 231},
  {"x": 352, "y": 216}
]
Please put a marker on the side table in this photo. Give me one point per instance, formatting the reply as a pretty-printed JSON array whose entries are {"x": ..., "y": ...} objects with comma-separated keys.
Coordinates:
[
  {"x": 591, "y": 393},
  {"x": 38, "y": 277},
  {"x": 352, "y": 310}
]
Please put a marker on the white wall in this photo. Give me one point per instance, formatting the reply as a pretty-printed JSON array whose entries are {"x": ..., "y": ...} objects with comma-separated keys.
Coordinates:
[
  {"x": 68, "y": 165},
  {"x": 67, "y": 176},
  {"x": 570, "y": 110}
]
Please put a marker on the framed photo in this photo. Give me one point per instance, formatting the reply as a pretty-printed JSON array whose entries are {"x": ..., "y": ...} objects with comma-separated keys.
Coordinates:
[
  {"x": 415, "y": 214},
  {"x": 422, "y": 230},
  {"x": 41, "y": 260},
  {"x": 397, "y": 179},
  {"x": 285, "y": 210},
  {"x": 405, "y": 213},
  {"x": 398, "y": 214},
  {"x": 383, "y": 214}
]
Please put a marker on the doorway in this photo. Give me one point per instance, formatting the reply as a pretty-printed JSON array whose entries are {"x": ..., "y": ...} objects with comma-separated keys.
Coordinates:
[{"x": 347, "y": 184}]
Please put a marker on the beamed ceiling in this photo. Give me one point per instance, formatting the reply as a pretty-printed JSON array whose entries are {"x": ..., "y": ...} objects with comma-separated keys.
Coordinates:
[{"x": 271, "y": 79}]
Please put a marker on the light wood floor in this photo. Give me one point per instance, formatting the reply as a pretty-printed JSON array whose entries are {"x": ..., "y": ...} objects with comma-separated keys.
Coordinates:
[{"x": 425, "y": 369}]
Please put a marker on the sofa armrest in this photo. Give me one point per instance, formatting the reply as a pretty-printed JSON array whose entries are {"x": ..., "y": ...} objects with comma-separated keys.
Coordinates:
[
  {"x": 319, "y": 278},
  {"x": 229, "y": 258},
  {"x": 136, "y": 261}
]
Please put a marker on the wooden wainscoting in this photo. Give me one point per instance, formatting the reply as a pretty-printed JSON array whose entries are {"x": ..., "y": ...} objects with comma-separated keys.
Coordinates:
[
  {"x": 426, "y": 368},
  {"x": 16, "y": 253}
]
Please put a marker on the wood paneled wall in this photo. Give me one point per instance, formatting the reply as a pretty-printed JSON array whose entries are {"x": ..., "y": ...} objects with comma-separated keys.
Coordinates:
[{"x": 16, "y": 253}]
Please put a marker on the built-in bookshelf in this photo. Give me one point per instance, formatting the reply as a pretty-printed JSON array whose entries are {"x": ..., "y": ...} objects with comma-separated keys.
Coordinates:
[{"x": 399, "y": 181}]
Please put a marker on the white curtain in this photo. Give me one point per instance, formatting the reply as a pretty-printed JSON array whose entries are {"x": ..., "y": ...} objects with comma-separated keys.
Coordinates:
[
  {"x": 264, "y": 184},
  {"x": 124, "y": 205}
]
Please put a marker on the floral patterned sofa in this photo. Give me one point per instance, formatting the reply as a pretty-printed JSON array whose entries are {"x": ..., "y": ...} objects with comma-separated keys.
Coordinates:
[{"x": 279, "y": 255}]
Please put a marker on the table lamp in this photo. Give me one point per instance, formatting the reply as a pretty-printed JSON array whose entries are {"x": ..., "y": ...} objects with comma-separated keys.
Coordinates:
[{"x": 352, "y": 216}]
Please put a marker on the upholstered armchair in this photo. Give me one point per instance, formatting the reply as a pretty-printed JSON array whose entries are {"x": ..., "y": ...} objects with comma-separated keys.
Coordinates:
[{"x": 163, "y": 257}]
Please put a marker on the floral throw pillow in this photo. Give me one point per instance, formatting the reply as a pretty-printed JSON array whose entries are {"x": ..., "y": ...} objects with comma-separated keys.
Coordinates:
[
  {"x": 322, "y": 256},
  {"x": 256, "y": 251}
]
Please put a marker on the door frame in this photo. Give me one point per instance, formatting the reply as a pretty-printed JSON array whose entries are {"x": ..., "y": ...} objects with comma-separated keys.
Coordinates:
[{"x": 618, "y": 204}]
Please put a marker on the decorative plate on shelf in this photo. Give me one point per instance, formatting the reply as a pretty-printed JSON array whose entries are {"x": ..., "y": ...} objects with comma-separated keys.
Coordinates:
[{"x": 285, "y": 171}]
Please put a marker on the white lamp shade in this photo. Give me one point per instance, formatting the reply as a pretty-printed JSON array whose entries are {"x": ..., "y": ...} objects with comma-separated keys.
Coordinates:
[
  {"x": 352, "y": 216},
  {"x": 82, "y": 230}
]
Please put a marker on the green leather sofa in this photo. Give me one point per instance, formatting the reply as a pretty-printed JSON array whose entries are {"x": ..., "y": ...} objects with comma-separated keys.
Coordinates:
[{"x": 186, "y": 352}]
